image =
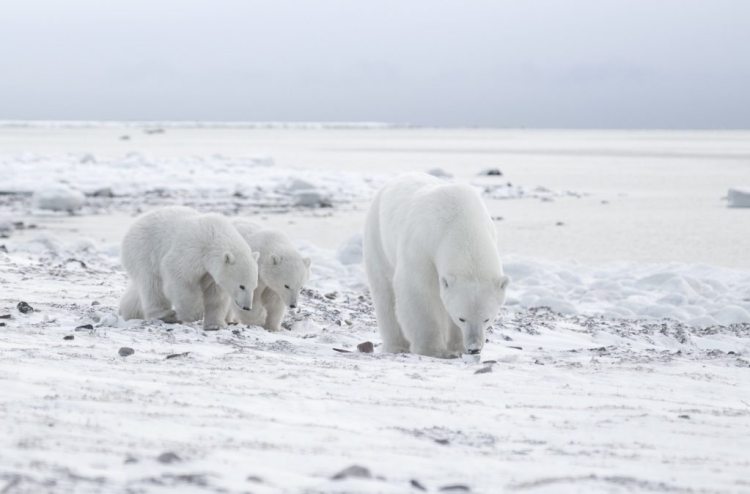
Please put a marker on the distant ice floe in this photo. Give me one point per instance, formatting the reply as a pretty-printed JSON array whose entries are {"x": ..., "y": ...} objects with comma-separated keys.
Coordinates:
[
  {"x": 698, "y": 295},
  {"x": 224, "y": 183},
  {"x": 58, "y": 197},
  {"x": 739, "y": 197},
  {"x": 510, "y": 191}
]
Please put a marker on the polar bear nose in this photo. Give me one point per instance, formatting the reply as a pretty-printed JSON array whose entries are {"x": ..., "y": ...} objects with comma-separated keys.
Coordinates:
[
  {"x": 293, "y": 306},
  {"x": 246, "y": 308}
]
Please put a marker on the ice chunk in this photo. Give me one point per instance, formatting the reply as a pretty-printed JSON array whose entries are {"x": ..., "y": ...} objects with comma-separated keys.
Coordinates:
[
  {"x": 350, "y": 251},
  {"x": 732, "y": 314},
  {"x": 59, "y": 198},
  {"x": 739, "y": 197}
]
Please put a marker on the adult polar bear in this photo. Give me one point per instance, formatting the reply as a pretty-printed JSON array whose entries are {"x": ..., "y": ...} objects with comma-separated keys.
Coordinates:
[
  {"x": 196, "y": 263},
  {"x": 432, "y": 262}
]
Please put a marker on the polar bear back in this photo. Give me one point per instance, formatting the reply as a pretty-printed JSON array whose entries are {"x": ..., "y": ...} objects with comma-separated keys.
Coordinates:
[
  {"x": 423, "y": 217},
  {"x": 155, "y": 234}
]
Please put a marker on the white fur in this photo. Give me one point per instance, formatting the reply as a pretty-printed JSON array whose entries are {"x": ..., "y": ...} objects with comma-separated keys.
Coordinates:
[
  {"x": 282, "y": 273},
  {"x": 184, "y": 265},
  {"x": 431, "y": 259}
]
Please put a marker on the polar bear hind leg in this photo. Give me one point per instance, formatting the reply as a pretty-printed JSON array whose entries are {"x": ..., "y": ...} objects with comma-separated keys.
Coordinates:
[
  {"x": 155, "y": 303},
  {"x": 130, "y": 304}
]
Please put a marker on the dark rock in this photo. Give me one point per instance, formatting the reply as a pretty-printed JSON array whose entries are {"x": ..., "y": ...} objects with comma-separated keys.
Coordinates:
[
  {"x": 366, "y": 347},
  {"x": 331, "y": 296},
  {"x": 489, "y": 362},
  {"x": 95, "y": 302},
  {"x": 69, "y": 337},
  {"x": 491, "y": 172},
  {"x": 3, "y": 248},
  {"x": 353, "y": 472},
  {"x": 4, "y": 316},
  {"x": 341, "y": 350},
  {"x": 103, "y": 192},
  {"x": 455, "y": 488},
  {"x": 24, "y": 308},
  {"x": 168, "y": 458},
  {"x": 254, "y": 478},
  {"x": 85, "y": 327},
  {"x": 484, "y": 370},
  {"x": 417, "y": 485},
  {"x": 2, "y": 324},
  {"x": 178, "y": 355},
  {"x": 442, "y": 441},
  {"x": 684, "y": 416},
  {"x": 559, "y": 223},
  {"x": 125, "y": 351},
  {"x": 130, "y": 459},
  {"x": 80, "y": 263},
  {"x": 124, "y": 137},
  {"x": 515, "y": 347}
]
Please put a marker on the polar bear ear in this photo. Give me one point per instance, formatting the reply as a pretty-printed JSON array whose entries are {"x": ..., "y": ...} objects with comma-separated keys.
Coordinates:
[
  {"x": 256, "y": 255},
  {"x": 502, "y": 282},
  {"x": 307, "y": 261},
  {"x": 229, "y": 258},
  {"x": 275, "y": 259}
]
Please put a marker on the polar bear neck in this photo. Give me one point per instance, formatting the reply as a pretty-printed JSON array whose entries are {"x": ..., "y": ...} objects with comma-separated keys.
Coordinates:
[{"x": 219, "y": 238}]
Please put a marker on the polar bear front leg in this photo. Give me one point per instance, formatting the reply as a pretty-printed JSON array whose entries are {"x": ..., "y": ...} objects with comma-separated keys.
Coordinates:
[
  {"x": 455, "y": 340},
  {"x": 383, "y": 298},
  {"x": 416, "y": 314},
  {"x": 186, "y": 298},
  {"x": 255, "y": 316},
  {"x": 275, "y": 309},
  {"x": 216, "y": 305}
]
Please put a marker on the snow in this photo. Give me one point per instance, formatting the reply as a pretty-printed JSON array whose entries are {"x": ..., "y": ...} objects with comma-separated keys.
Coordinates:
[
  {"x": 739, "y": 197},
  {"x": 619, "y": 369}
]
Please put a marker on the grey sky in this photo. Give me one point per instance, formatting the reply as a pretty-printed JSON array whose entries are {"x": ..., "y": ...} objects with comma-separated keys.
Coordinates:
[{"x": 521, "y": 63}]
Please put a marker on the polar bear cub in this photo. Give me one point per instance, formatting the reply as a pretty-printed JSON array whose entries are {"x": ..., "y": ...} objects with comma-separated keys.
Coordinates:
[
  {"x": 433, "y": 267},
  {"x": 282, "y": 273},
  {"x": 184, "y": 265}
]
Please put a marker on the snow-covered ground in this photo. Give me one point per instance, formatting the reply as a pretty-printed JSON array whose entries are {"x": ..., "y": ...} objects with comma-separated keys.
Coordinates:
[{"x": 620, "y": 363}]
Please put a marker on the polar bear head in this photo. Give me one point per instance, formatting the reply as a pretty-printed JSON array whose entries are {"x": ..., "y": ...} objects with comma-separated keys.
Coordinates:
[
  {"x": 473, "y": 305},
  {"x": 285, "y": 274},
  {"x": 237, "y": 274}
]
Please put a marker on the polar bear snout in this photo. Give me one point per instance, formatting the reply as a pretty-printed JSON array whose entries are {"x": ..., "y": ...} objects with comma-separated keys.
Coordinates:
[{"x": 474, "y": 351}]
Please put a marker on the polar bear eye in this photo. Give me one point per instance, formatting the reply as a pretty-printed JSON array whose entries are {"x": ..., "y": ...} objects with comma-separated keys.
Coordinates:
[
  {"x": 242, "y": 287},
  {"x": 462, "y": 319},
  {"x": 286, "y": 286}
]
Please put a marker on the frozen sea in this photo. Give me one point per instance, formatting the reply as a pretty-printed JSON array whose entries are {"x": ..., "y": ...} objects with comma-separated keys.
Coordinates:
[{"x": 620, "y": 363}]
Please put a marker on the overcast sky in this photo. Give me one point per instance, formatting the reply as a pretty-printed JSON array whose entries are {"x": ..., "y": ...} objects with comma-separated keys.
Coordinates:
[{"x": 521, "y": 63}]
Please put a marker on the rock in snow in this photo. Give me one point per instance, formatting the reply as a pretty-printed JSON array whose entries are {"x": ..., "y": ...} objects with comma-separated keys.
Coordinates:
[
  {"x": 739, "y": 197},
  {"x": 59, "y": 198}
]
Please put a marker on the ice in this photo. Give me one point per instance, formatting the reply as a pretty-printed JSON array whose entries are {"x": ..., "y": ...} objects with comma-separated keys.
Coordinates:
[
  {"x": 58, "y": 197},
  {"x": 739, "y": 197},
  {"x": 618, "y": 364},
  {"x": 350, "y": 252}
]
